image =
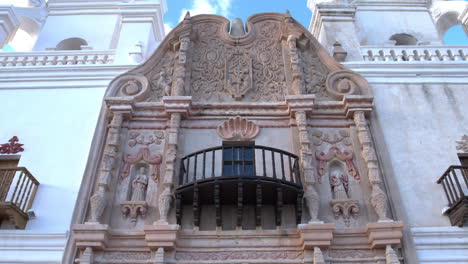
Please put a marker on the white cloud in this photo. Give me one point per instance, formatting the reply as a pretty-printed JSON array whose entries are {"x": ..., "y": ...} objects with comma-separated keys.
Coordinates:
[
  {"x": 168, "y": 27},
  {"x": 218, "y": 7}
]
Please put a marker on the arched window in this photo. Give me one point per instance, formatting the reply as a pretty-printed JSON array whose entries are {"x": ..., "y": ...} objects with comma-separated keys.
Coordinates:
[
  {"x": 404, "y": 39},
  {"x": 71, "y": 44}
]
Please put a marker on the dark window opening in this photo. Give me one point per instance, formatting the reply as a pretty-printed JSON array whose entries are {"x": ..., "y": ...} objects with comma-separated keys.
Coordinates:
[{"x": 238, "y": 159}]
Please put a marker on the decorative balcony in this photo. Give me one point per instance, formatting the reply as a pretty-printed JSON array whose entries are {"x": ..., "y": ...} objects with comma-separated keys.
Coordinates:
[
  {"x": 415, "y": 53},
  {"x": 50, "y": 58},
  {"x": 455, "y": 184},
  {"x": 243, "y": 178},
  {"x": 17, "y": 190}
]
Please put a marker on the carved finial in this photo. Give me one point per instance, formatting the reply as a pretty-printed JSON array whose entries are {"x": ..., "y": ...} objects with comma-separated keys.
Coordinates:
[
  {"x": 186, "y": 20},
  {"x": 237, "y": 28},
  {"x": 288, "y": 18},
  {"x": 339, "y": 54}
]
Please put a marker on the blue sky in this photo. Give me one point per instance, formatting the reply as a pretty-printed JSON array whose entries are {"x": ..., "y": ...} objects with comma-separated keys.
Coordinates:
[{"x": 244, "y": 8}]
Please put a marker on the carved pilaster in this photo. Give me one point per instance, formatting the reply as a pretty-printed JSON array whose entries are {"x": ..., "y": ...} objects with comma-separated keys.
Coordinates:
[
  {"x": 390, "y": 256},
  {"x": 158, "y": 256},
  {"x": 318, "y": 256},
  {"x": 378, "y": 197},
  {"x": 165, "y": 198},
  {"x": 297, "y": 84},
  {"x": 306, "y": 156},
  {"x": 98, "y": 201},
  {"x": 87, "y": 256}
]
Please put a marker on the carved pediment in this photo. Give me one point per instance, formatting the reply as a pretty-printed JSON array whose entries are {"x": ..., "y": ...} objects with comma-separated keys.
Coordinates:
[{"x": 276, "y": 57}]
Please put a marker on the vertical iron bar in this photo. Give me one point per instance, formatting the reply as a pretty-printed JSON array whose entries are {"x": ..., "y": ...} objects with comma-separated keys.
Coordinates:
[
  {"x": 273, "y": 163},
  {"x": 16, "y": 186},
  {"x": 217, "y": 203},
  {"x": 279, "y": 205},
  {"x": 264, "y": 166},
  {"x": 188, "y": 168},
  {"x": 282, "y": 166},
  {"x": 26, "y": 189},
  {"x": 178, "y": 208},
  {"x": 452, "y": 186},
  {"x": 196, "y": 206},
  {"x": 258, "y": 205},
  {"x": 195, "y": 168},
  {"x": 213, "y": 164},
  {"x": 458, "y": 183},
  {"x": 204, "y": 163},
  {"x": 291, "y": 173},
  {"x": 240, "y": 203}
]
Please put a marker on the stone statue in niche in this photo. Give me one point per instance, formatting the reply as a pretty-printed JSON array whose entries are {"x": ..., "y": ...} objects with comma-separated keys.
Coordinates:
[
  {"x": 139, "y": 185},
  {"x": 137, "y": 204},
  {"x": 339, "y": 185}
]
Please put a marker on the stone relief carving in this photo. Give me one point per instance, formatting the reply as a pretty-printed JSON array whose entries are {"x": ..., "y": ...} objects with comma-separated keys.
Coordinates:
[
  {"x": 340, "y": 83},
  {"x": 122, "y": 256},
  {"x": 98, "y": 201},
  {"x": 345, "y": 156},
  {"x": 133, "y": 209},
  {"x": 238, "y": 74},
  {"x": 318, "y": 256},
  {"x": 314, "y": 73},
  {"x": 378, "y": 197},
  {"x": 320, "y": 137},
  {"x": 345, "y": 208},
  {"x": 235, "y": 255},
  {"x": 254, "y": 71},
  {"x": 161, "y": 77},
  {"x": 312, "y": 202},
  {"x": 351, "y": 253},
  {"x": 139, "y": 184},
  {"x": 390, "y": 256},
  {"x": 238, "y": 128},
  {"x": 138, "y": 138},
  {"x": 165, "y": 200},
  {"x": 463, "y": 144}
]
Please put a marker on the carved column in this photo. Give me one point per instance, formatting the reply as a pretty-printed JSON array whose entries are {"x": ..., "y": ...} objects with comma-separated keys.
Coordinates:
[
  {"x": 87, "y": 256},
  {"x": 378, "y": 197},
  {"x": 297, "y": 84},
  {"x": 390, "y": 256},
  {"x": 98, "y": 201},
  {"x": 305, "y": 153},
  {"x": 178, "y": 88},
  {"x": 166, "y": 196}
]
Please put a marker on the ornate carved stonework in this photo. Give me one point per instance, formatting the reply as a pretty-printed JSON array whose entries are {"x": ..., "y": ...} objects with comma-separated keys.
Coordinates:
[
  {"x": 239, "y": 255},
  {"x": 463, "y": 144},
  {"x": 333, "y": 152},
  {"x": 133, "y": 209},
  {"x": 12, "y": 147},
  {"x": 238, "y": 74},
  {"x": 143, "y": 154},
  {"x": 238, "y": 128},
  {"x": 342, "y": 136},
  {"x": 345, "y": 208}
]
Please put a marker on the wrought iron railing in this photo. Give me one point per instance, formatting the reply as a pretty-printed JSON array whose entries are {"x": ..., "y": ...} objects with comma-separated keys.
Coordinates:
[
  {"x": 455, "y": 184},
  {"x": 239, "y": 176},
  {"x": 17, "y": 191},
  {"x": 240, "y": 161}
]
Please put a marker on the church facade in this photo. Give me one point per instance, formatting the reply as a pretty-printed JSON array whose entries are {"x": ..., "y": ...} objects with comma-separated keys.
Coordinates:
[{"x": 262, "y": 142}]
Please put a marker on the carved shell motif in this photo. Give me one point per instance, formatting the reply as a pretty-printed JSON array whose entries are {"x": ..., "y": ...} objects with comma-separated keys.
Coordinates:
[{"x": 238, "y": 128}]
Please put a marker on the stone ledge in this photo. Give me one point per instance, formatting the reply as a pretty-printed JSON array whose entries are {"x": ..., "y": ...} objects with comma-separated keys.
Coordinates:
[
  {"x": 381, "y": 234},
  {"x": 316, "y": 234},
  {"x": 161, "y": 235},
  {"x": 91, "y": 234}
]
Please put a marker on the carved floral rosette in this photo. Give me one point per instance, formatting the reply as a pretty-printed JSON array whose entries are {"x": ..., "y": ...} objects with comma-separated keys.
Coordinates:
[
  {"x": 345, "y": 208},
  {"x": 143, "y": 154},
  {"x": 133, "y": 208},
  {"x": 346, "y": 156},
  {"x": 238, "y": 128}
]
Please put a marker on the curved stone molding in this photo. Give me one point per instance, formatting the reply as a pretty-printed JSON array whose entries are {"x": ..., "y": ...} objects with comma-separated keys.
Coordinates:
[
  {"x": 133, "y": 85},
  {"x": 238, "y": 128},
  {"x": 340, "y": 83}
]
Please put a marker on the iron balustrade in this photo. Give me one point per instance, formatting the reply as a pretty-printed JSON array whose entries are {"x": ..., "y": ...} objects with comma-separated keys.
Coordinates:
[
  {"x": 17, "y": 191},
  {"x": 239, "y": 176},
  {"x": 455, "y": 184},
  {"x": 240, "y": 162}
]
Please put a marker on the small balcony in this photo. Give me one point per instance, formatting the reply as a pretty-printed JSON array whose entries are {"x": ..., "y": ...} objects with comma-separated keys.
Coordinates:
[
  {"x": 17, "y": 190},
  {"x": 455, "y": 184},
  {"x": 233, "y": 184}
]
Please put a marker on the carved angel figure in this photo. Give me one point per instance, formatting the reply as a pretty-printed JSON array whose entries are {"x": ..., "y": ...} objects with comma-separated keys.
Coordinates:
[
  {"x": 139, "y": 186},
  {"x": 339, "y": 185},
  {"x": 163, "y": 83}
]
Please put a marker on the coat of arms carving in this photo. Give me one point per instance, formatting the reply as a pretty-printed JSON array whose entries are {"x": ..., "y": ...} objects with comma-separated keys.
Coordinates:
[{"x": 238, "y": 76}]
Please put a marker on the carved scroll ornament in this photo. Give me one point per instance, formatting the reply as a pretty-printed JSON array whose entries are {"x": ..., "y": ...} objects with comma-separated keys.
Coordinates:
[
  {"x": 346, "y": 156},
  {"x": 340, "y": 83},
  {"x": 238, "y": 128},
  {"x": 143, "y": 154}
]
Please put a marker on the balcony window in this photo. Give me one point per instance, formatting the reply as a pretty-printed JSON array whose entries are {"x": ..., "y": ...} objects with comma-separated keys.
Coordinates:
[{"x": 237, "y": 160}]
